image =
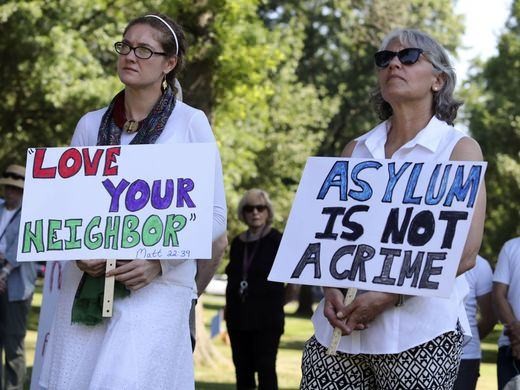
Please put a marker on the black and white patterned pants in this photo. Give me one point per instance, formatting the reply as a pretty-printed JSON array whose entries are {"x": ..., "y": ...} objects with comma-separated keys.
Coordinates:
[{"x": 429, "y": 366}]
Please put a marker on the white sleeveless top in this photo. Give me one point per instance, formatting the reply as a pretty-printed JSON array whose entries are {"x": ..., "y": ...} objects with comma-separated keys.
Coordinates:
[{"x": 420, "y": 319}]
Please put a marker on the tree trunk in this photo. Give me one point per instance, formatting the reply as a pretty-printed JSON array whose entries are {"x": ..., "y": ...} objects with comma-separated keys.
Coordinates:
[
  {"x": 305, "y": 302},
  {"x": 205, "y": 353}
]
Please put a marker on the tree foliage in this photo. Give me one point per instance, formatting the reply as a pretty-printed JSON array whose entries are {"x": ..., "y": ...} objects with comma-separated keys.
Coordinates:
[
  {"x": 494, "y": 116},
  {"x": 280, "y": 80},
  {"x": 340, "y": 39},
  {"x": 58, "y": 63}
]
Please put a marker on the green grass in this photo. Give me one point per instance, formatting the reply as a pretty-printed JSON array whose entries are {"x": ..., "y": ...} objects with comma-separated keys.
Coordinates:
[{"x": 221, "y": 375}]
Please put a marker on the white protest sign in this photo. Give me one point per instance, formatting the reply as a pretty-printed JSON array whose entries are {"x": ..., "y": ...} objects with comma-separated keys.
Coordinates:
[
  {"x": 118, "y": 202},
  {"x": 379, "y": 225}
]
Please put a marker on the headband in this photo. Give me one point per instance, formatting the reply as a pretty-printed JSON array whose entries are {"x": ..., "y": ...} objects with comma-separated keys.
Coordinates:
[{"x": 170, "y": 28}]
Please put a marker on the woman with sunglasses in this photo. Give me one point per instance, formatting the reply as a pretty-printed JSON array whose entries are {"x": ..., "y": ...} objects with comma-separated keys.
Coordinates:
[
  {"x": 254, "y": 306},
  {"x": 391, "y": 341},
  {"x": 146, "y": 344}
]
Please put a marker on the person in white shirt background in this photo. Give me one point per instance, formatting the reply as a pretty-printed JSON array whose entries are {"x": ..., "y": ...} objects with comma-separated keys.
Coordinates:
[
  {"x": 506, "y": 297},
  {"x": 478, "y": 301}
]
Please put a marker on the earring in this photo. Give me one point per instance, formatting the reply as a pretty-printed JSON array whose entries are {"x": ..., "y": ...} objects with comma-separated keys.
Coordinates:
[{"x": 164, "y": 84}]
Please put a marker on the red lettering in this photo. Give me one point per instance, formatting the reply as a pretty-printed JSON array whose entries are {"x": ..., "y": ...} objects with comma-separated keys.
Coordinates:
[
  {"x": 91, "y": 166},
  {"x": 111, "y": 157},
  {"x": 72, "y": 160},
  {"x": 64, "y": 169},
  {"x": 39, "y": 172}
]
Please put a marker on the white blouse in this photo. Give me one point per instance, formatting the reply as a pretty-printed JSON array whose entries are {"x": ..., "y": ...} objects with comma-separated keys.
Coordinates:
[
  {"x": 185, "y": 125},
  {"x": 420, "y": 319}
]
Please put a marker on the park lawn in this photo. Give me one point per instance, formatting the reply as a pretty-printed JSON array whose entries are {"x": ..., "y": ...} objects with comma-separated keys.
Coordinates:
[{"x": 220, "y": 375}]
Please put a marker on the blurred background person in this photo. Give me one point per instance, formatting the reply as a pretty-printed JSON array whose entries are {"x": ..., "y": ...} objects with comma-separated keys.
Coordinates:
[
  {"x": 506, "y": 297},
  {"x": 16, "y": 282},
  {"x": 254, "y": 306},
  {"x": 482, "y": 319}
]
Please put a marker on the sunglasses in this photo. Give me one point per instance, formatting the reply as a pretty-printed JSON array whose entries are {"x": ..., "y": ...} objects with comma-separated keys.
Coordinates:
[
  {"x": 258, "y": 207},
  {"x": 407, "y": 56},
  {"x": 10, "y": 175}
]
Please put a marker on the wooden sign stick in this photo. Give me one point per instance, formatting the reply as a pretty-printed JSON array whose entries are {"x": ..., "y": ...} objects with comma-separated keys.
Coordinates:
[
  {"x": 336, "y": 335},
  {"x": 108, "y": 295}
]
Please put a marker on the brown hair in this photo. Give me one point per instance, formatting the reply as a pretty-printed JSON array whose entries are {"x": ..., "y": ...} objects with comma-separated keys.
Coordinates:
[{"x": 167, "y": 42}]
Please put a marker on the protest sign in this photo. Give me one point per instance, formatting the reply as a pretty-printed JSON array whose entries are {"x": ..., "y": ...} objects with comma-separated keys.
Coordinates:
[
  {"x": 379, "y": 225},
  {"x": 124, "y": 202}
]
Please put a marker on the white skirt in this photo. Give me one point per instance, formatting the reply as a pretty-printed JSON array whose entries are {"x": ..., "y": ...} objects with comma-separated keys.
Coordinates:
[{"x": 145, "y": 345}]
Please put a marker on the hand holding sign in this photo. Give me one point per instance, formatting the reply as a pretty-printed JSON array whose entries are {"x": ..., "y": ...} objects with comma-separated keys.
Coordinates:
[
  {"x": 135, "y": 274},
  {"x": 94, "y": 268},
  {"x": 393, "y": 226}
]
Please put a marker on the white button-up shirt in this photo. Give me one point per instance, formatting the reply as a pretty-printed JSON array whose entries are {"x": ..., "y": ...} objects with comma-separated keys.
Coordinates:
[{"x": 420, "y": 319}]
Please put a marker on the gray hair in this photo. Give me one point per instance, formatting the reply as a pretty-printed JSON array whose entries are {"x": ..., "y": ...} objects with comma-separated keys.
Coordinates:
[
  {"x": 444, "y": 106},
  {"x": 261, "y": 194}
]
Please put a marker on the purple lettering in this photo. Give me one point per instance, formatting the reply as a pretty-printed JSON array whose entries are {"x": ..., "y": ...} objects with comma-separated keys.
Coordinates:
[
  {"x": 158, "y": 202},
  {"x": 137, "y": 195},
  {"x": 115, "y": 193},
  {"x": 183, "y": 187}
]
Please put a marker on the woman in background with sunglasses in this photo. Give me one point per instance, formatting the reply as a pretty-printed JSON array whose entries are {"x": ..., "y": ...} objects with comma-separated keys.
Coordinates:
[
  {"x": 254, "y": 306},
  {"x": 391, "y": 341},
  {"x": 146, "y": 343}
]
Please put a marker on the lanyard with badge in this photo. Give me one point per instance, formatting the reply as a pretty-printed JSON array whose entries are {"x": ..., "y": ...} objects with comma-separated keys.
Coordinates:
[{"x": 246, "y": 263}]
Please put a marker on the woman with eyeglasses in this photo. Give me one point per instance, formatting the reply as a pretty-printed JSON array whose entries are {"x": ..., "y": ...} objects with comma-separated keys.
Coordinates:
[
  {"x": 391, "y": 341},
  {"x": 146, "y": 344},
  {"x": 254, "y": 306}
]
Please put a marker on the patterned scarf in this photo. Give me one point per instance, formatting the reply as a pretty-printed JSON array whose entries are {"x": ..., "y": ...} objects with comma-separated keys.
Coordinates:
[
  {"x": 149, "y": 129},
  {"x": 88, "y": 301}
]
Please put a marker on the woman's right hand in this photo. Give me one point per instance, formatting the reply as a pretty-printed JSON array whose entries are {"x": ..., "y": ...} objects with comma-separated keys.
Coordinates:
[
  {"x": 358, "y": 314},
  {"x": 333, "y": 306},
  {"x": 94, "y": 268}
]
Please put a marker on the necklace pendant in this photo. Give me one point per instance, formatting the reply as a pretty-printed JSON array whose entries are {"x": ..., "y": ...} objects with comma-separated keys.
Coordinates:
[
  {"x": 242, "y": 291},
  {"x": 131, "y": 126}
]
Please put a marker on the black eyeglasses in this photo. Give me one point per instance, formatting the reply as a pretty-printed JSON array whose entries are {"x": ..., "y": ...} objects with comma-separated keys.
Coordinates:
[
  {"x": 407, "y": 56},
  {"x": 141, "y": 52},
  {"x": 249, "y": 208},
  {"x": 15, "y": 176}
]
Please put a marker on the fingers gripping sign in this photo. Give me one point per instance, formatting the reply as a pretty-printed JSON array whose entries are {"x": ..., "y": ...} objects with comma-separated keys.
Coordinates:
[
  {"x": 334, "y": 302},
  {"x": 355, "y": 312},
  {"x": 94, "y": 268},
  {"x": 136, "y": 274}
]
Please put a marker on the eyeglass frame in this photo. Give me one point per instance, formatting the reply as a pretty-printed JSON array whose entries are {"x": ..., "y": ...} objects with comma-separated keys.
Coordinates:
[
  {"x": 123, "y": 44},
  {"x": 399, "y": 54},
  {"x": 249, "y": 208}
]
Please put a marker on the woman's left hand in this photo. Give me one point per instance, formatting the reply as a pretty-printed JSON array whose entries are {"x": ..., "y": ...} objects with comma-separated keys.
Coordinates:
[
  {"x": 366, "y": 307},
  {"x": 136, "y": 274}
]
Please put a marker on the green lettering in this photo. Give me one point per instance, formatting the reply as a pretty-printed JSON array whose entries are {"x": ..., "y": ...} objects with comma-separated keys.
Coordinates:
[
  {"x": 129, "y": 236},
  {"x": 152, "y": 230},
  {"x": 53, "y": 244},
  {"x": 35, "y": 238},
  {"x": 93, "y": 241},
  {"x": 73, "y": 242},
  {"x": 112, "y": 231},
  {"x": 174, "y": 224}
]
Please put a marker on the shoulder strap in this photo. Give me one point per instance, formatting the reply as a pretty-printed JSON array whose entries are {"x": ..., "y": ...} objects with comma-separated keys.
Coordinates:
[{"x": 11, "y": 220}]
